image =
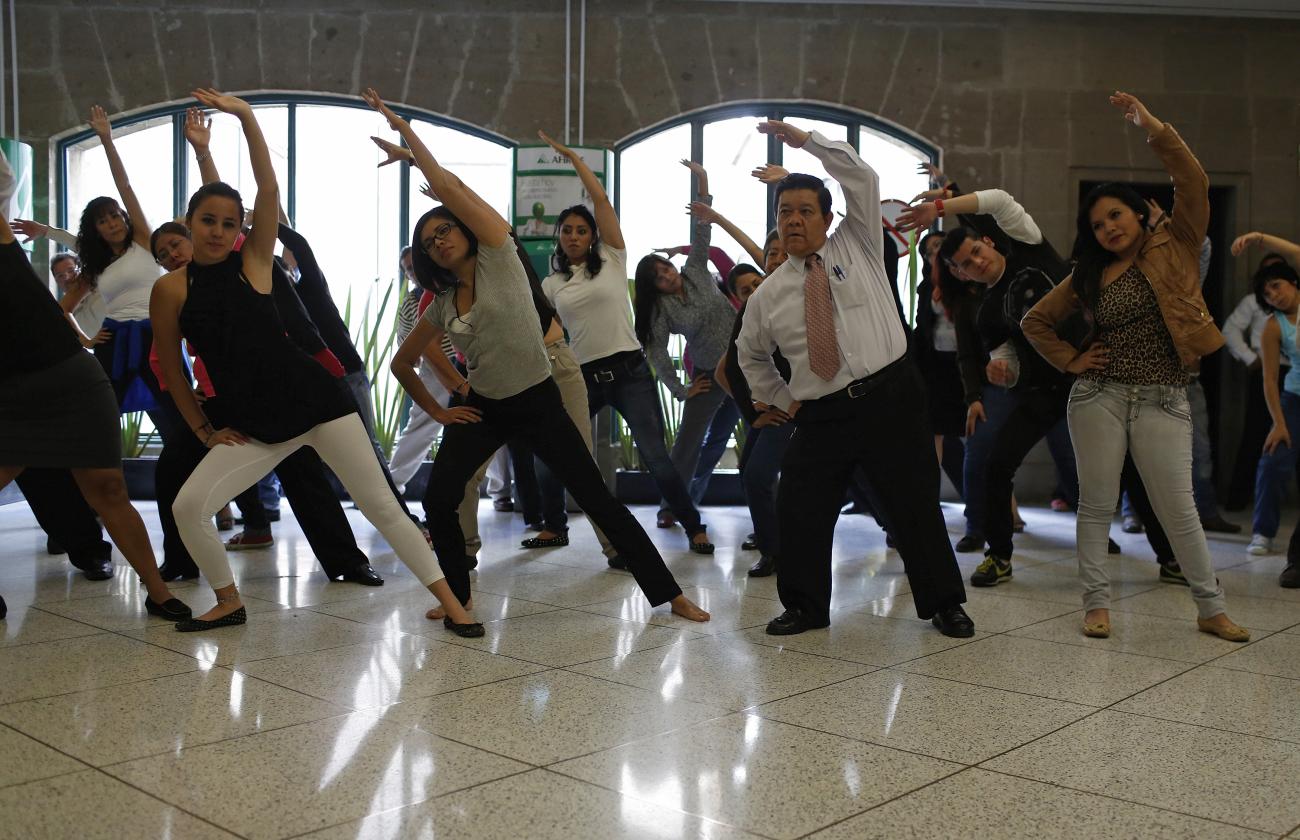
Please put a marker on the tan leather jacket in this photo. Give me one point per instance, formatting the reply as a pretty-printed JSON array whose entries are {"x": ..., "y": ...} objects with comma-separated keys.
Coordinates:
[{"x": 1170, "y": 259}]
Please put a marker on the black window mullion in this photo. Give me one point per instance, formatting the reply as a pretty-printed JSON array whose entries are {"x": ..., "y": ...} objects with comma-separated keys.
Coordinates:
[
  {"x": 697, "y": 154},
  {"x": 291, "y": 201},
  {"x": 180, "y": 166}
]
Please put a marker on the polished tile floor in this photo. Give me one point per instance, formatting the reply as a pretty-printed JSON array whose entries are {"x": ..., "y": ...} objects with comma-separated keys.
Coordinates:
[{"x": 339, "y": 711}]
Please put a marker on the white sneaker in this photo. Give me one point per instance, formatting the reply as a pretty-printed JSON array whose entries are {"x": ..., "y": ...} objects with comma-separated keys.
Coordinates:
[{"x": 1260, "y": 544}]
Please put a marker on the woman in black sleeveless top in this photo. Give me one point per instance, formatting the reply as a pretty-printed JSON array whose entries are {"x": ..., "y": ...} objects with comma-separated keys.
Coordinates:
[{"x": 274, "y": 397}]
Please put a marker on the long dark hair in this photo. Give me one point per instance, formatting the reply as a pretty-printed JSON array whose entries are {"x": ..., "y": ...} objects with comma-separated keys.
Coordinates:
[
  {"x": 560, "y": 260},
  {"x": 645, "y": 295},
  {"x": 1090, "y": 259},
  {"x": 92, "y": 249},
  {"x": 428, "y": 273},
  {"x": 1272, "y": 271}
]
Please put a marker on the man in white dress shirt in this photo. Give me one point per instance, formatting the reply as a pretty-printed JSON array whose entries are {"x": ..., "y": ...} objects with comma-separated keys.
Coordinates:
[{"x": 854, "y": 396}]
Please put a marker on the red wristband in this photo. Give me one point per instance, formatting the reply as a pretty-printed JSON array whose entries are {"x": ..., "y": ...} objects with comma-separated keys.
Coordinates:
[{"x": 938, "y": 206}]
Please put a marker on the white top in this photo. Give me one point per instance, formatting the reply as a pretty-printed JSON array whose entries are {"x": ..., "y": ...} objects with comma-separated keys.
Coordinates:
[
  {"x": 944, "y": 330},
  {"x": 867, "y": 328},
  {"x": 1009, "y": 215},
  {"x": 596, "y": 311},
  {"x": 1244, "y": 329},
  {"x": 89, "y": 313},
  {"x": 127, "y": 283}
]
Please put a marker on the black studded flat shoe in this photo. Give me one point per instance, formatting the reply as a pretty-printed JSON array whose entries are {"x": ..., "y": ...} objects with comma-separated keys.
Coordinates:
[
  {"x": 194, "y": 625},
  {"x": 554, "y": 542}
]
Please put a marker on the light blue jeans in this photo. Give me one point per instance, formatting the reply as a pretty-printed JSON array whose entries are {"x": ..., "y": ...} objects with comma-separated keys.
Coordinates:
[{"x": 1154, "y": 423}]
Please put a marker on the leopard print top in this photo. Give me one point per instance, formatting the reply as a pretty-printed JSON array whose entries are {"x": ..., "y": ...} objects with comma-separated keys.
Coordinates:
[{"x": 1130, "y": 324}]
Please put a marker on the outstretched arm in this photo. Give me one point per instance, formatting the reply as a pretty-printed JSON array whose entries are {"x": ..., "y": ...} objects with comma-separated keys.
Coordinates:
[
  {"x": 104, "y": 129},
  {"x": 259, "y": 247},
  {"x": 198, "y": 131},
  {"x": 706, "y": 213},
  {"x": 1190, "y": 215},
  {"x": 486, "y": 223},
  {"x": 1289, "y": 250},
  {"x": 606, "y": 219}
]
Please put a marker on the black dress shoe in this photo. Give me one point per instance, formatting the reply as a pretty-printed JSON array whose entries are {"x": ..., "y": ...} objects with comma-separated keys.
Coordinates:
[
  {"x": 969, "y": 543},
  {"x": 1220, "y": 525},
  {"x": 465, "y": 631},
  {"x": 363, "y": 575},
  {"x": 4, "y": 608},
  {"x": 177, "y": 571},
  {"x": 794, "y": 621},
  {"x": 97, "y": 569},
  {"x": 764, "y": 567},
  {"x": 471, "y": 562},
  {"x": 173, "y": 609},
  {"x": 503, "y": 505},
  {"x": 1112, "y": 547},
  {"x": 701, "y": 548},
  {"x": 954, "y": 622},
  {"x": 52, "y": 546},
  {"x": 750, "y": 544},
  {"x": 617, "y": 562}
]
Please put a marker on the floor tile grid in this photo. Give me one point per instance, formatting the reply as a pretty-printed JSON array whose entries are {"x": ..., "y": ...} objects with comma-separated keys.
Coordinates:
[{"x": 1190, "y": 667}]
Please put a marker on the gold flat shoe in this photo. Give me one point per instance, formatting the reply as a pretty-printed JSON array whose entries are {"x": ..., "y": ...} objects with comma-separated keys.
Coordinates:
[
  {"x": 1097, "y": 629},
  {"x": 1231, "y": 633}
]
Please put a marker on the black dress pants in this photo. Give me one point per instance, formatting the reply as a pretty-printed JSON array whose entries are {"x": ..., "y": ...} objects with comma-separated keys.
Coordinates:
[
  {"x": 537, "y": 416},
  {"x": 886, "y": 432},
  {"x": 63, "y": 514},
  {"x": 1131, "y": 481}
]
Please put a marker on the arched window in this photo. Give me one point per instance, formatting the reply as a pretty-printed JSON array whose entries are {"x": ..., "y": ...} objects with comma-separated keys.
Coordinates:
[
  {"x": 653, "y": 188},
  {"x": 355, "y": 215}
]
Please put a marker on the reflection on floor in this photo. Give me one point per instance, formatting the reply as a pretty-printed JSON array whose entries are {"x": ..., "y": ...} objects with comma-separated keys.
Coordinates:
[{"x": 340, "y": 711}]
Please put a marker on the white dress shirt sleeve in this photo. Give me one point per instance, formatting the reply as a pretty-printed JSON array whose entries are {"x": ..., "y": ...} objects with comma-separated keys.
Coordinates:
[
  {"x": 861, "y": 187},
  {"x": 1010, "y": 216},
  {"x": 1236, "y": 330},
  {"x": 754, "y": 348}
]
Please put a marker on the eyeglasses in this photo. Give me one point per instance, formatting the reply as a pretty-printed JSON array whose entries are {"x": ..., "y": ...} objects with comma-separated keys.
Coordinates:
[{"x": 440, "y": 234}]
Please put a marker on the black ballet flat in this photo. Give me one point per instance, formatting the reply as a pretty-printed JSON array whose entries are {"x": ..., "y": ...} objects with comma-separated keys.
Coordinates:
[
  {"x": 173, "y": 609},
  {"x": 553, "y": 542},
  {"x": 702, "y": 548},
  {"x": 193, "y": 625},
  {"x": 176, "y": 571},
  {"x": 465, "y": 631}
]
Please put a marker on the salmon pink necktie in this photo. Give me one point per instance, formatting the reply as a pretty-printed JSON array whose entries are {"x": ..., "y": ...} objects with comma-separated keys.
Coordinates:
[{"x": 819, "y": 320}]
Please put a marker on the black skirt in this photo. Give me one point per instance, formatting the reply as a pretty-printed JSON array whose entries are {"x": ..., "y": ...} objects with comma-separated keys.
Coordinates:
[{"x": 64, "y": 416}]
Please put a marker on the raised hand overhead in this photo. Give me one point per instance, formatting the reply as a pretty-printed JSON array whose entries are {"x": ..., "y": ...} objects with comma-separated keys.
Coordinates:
[
  {"x": 769, "y": 173},
  {"x": 791, "y": 135}
]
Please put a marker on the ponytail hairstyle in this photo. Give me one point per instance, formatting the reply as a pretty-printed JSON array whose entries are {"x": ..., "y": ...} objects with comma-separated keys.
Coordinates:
[
  {"x": 92, "y": 249},
  {"x": 1090, "y": 259},
  {"x": 428, "y": 273},
  {"x": 560, "y": 260},
  {"x": 645, "y": 296}
]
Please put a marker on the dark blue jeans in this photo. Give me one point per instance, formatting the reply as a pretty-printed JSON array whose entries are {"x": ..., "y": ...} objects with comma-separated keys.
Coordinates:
[
  {"x": 1275, "y": 470},
  {"x": 764, "y": 450},
  {"x": 721, "y": 428},
  {"x": 624, "y": 382}
]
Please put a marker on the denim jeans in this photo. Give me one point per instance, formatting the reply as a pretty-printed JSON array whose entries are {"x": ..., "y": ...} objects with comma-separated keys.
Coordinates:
[
  {"x": 998, "y": 404},
  {"x": 625, "y": 383},
  {"x": 722, "y": 427},
  {"x": 759, "y": 478},
  {"x": 1274, "y": 470},
  {"x": 1154, "y": 424}
]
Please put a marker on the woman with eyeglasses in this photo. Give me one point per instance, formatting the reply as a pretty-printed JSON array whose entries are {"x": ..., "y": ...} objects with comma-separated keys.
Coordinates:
[{"x": 463, "y": 252}]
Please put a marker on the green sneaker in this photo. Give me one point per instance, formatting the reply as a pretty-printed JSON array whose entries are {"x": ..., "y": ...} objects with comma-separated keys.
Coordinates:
[{"x": 992, "y": 571}]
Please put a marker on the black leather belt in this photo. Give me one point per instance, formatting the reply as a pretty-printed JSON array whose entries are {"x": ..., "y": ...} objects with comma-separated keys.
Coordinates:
[{"x": 861, "y": 387}]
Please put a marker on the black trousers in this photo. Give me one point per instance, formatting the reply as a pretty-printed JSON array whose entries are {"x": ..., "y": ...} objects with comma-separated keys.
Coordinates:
[
  {"x": 63, "y": 514},
  {"x": 537, "y": 416},
  {"x": 886, "y": 432},
  {"x": 312, "y": 497},
  {"x": 1035, "y": 413}
]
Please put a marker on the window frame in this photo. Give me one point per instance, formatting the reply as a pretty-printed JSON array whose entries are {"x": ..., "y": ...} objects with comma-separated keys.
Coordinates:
[{"x": 180, "y": 149}]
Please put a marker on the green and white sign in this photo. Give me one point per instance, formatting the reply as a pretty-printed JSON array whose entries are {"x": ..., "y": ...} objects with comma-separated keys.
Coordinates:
[{"x": 545, "y": 184}]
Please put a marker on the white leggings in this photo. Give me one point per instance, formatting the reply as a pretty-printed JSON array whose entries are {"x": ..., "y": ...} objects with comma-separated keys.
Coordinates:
[{"x": 343, "y": 444}]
